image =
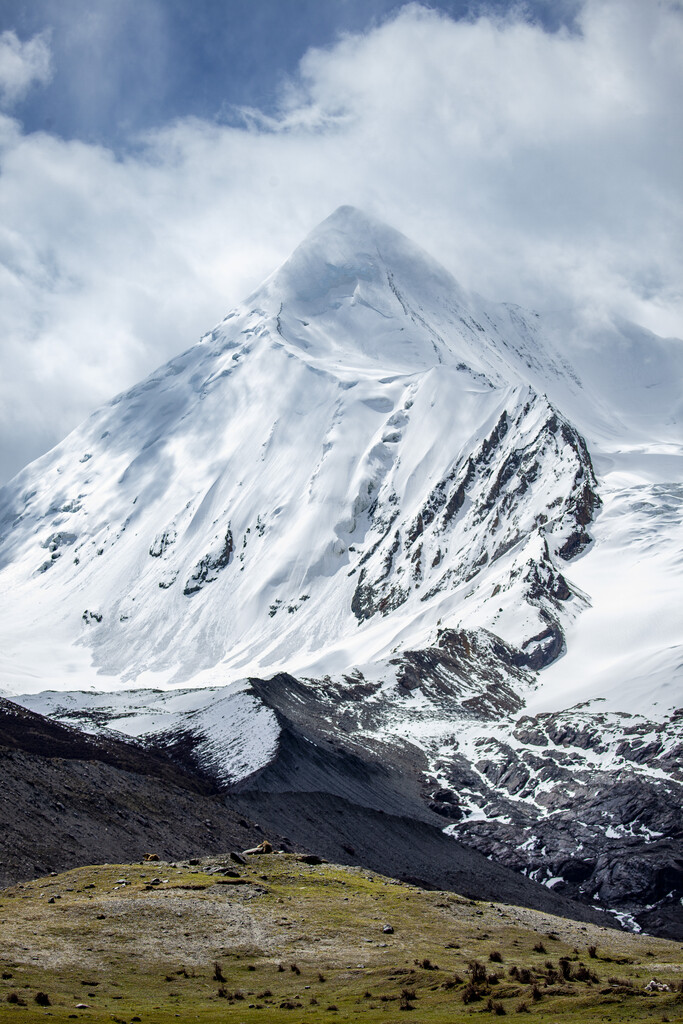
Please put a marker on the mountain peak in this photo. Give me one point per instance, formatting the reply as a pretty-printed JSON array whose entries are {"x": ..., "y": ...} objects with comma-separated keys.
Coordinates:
[
  {"x": 352, "y": 217},
  {"x": 351, "y": 248},
  {"x": 355, "y": 224},
  {"x": 355, "y": 291}
]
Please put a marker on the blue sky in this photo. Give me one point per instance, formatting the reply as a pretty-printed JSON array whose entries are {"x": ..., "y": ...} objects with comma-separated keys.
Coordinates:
[
  {"x": 159, "y": 158},
  {"x": 123, "y": 66}
]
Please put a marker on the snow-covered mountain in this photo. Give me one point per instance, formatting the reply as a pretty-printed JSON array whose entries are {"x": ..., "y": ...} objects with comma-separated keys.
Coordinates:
[{"x": 436, "y": 524}]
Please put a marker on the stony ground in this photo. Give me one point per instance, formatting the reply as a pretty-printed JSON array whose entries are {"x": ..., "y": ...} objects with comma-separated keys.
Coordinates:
[{"x": 281, "y": 940}]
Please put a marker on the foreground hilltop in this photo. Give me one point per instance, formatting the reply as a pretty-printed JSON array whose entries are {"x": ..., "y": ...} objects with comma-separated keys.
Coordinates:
[{"x": 284, "y": 940}]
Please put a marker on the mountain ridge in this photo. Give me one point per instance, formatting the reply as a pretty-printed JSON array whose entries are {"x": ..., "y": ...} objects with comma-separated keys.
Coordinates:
[{"x": 409, "y": 504}]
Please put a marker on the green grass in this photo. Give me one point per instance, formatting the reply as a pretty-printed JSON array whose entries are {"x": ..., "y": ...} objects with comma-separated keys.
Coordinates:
[{"x": 151, "y": 951}]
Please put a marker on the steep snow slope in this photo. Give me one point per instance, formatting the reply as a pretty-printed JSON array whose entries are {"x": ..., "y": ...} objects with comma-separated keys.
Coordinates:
[
  {"x": 357, "y": 454},
  {"x": 217, "y": 520}
]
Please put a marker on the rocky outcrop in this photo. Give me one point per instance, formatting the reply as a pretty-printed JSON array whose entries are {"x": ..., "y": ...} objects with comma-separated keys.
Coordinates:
[
  {"x": 208, "y": 567},
  {"x": 513, "y": 507},
  {"x": 466, "y": 669},
  {"x": 588, "y": 804}
]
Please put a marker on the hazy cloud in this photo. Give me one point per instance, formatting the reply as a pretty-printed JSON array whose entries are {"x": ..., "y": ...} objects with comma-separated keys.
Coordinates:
[
  {"x": 541, "y": 168},
  {"x": 22, "y": 65}
]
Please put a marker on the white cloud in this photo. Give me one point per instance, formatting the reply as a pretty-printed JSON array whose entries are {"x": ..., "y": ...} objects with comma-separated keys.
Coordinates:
[
  {"x": 22, "y": 65},
  {"x": 540, "y": 168}
]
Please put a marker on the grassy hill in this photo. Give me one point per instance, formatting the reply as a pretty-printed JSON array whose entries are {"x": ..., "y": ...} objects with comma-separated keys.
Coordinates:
[{"x": 280, "y": 940}]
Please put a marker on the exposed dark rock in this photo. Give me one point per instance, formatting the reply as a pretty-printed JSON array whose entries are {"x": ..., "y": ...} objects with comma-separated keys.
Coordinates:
[
  {"x": 403, "y": 847},
  {"x": 527, "y": 731},
  {"x": 475, "y": 514},
  {"x": 207, "y": 569},
  {"x": 612, "y": 835},
  {"x": 541, "y": 650},
  {"x": 544, "y": 581},
  {"x": 463, "y": 662},
  {"x": 574, "y": 545},
  {"x": 162, "y": 542}
]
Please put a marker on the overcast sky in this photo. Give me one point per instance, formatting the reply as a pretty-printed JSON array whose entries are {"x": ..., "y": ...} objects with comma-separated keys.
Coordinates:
[{"x": 158, "y": 158}]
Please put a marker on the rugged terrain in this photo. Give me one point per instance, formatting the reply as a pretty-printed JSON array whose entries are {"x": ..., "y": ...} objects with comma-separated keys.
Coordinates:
[
  {"x": 380, "y": 539},
  {"x": 279, "y": 940},
  {"x": 69, "y": 798}
]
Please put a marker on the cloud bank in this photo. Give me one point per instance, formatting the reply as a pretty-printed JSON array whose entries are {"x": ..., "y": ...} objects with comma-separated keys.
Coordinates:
[{"x": 540, "y": 168}]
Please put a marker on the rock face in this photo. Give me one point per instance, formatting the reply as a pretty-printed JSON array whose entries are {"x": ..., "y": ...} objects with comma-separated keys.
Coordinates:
[
  {"x": 72, "y": 799},
  {"x": 208, "y": 567},
  {"x": 379, "y": 539},
  {"x": 588, "y": 804},
  {"x": 529, "y": 486}
]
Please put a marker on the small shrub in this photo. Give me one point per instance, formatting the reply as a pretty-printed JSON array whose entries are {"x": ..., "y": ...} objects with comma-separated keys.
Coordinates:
[
  {"x": 540, "y": 948},
  {"x": 16, "y": 999},
  {"x": 333, "y": 1007},
  {"x": 471, "y": 994},
  {"x": 367, "y": 994},
  {"x": 522, "y": 1008},
  {"x": 524, "y": 975},
  {"x": 294, "y": 969},
  {"x": 427, "y": 964},
  {"x": 513, "y": 972},
  {"x": 280, "y": 968},
  {"x": 43, "y": 999},
  {"x": 265, "y": 994},
  {"x": 313, "y": 1001},
  {"x": 496, "y": 1008},
  {"x": 217, "y": 973},
  {"x": 536, "y": 993},
  {"x": 251, "y": 967},
  {"x": 238, "y": 995},
  {"x": 495, "y": 957},
  {"x": 477, "y": 972},
  {"x": 593, "y": 952},
  {"x": 408, "y": 994},
  {"x": 493, "y": 979},
  {"x": 565, "y": 968},
  {"x": 222, "y": 993},
  {"x": 321, "y": 976}
]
